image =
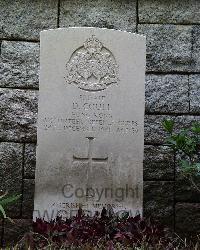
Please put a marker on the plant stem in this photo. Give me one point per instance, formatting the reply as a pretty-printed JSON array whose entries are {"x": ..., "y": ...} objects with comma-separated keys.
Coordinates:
[{"x": 194, "y": 184}]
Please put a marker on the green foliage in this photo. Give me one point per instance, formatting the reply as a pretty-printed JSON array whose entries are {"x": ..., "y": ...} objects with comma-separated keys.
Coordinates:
[
  {"x": 186, "y": 143},
  {"x": 6, "y": 200},
  {"x": 168, "y": 125}
]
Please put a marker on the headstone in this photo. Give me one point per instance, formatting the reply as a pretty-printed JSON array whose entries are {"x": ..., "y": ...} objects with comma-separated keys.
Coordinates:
[{"x": 90, "y": 122}]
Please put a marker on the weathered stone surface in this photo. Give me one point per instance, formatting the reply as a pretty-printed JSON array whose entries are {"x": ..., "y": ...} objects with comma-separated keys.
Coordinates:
[
  {"x": 185, "y": 191},
  {"x": 167, "y": 93},
  {"x": 196, "y": 48},
  {"x": 158, "y": 163},
  {"x": 28, "y": 198},
  {"x": 25, "y": 19},
  {"x": 19, "y": 64},
  {"x": 154, "y": 132},
  {"x": 29, "y": 160},
  {"x": 187, "y": 219},
  {"x": 168, "y": 47},
  {"x": 158, "y": 201},
  {"x": 19, "y": 111},
  {"x": 194, "y": 85},
  {"x": 11, "y": 173},
  {"x": 99, "y": 13},
  {"x": 14, "y": 232},
  {"x": 162, "y": 11}
]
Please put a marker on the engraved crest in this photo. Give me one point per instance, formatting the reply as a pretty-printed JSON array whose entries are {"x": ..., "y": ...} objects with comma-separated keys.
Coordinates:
[{"x": 92, "y": 67}]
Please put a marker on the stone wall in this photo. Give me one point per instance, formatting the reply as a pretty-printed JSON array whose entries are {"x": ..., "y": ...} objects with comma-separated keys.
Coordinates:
[{"x": 172, "y": 90}]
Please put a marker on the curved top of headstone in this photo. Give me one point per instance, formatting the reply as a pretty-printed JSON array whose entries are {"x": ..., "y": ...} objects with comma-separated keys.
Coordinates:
[
  {"x": 92, "y": 66},
  {"x": 94, "y": 29}
]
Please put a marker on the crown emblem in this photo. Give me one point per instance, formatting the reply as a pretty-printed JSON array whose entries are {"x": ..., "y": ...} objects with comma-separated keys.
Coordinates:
[
  {"x": 93, "y": 45},
  {"x": 92, "y": 67}
]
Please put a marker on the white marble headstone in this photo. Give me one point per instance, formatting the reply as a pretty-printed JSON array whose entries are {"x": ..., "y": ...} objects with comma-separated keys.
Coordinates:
[{"x": 90, "y": 122}]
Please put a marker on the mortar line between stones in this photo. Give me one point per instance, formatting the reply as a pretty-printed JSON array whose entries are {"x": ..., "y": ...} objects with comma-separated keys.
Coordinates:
[
  {"x": 189, "y": 92},
  {"x": 161, "y": 180},
  {"x": 154, "y": 144},
  {"x": 172, "y": 114},
  {"x": 172, "y": 72},
  {"x": 22, "y": 189},
  {"x": 137, "y": 15},
  {"x": 182, "y": 24},
  {"x": 58, "y": 15},
  {"x": 158, "y": 180},
  {"x": 20, "y": 88},
  {"x": 7, "y": 39}
]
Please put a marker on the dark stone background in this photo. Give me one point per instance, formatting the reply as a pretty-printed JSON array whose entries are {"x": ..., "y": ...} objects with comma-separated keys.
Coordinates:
[{"x": 172, "y": 90}]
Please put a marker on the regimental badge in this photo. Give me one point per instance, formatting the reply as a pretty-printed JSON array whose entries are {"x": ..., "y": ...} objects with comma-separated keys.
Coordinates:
[{"x": 92, "y": 67}]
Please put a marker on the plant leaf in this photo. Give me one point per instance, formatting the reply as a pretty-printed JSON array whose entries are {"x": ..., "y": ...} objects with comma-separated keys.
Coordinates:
[
  {"x": 168, "y": 125},
  {"x": 196, "y": 127},
  {"x": 10, "y": 199},
  {"x": 3, "y": 195},
  {"x": 3, "y": 212}
]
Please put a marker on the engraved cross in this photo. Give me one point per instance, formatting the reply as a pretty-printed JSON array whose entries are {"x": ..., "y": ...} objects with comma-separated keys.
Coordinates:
[{"x": 89, "y": 158}]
